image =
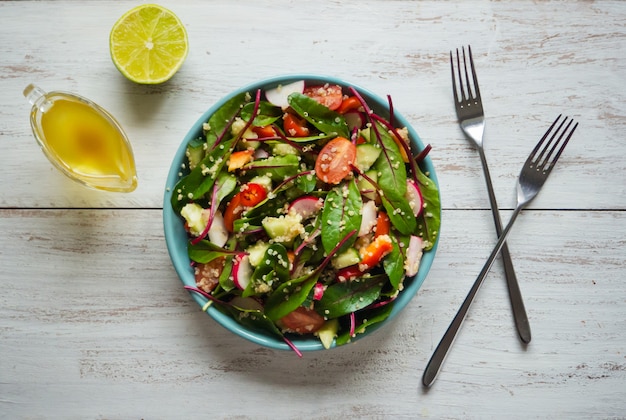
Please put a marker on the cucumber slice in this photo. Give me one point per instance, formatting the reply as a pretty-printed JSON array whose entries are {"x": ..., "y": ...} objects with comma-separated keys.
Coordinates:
[
  {"x": 366, "y": 155},
  {"x": 346, "y": 259}
]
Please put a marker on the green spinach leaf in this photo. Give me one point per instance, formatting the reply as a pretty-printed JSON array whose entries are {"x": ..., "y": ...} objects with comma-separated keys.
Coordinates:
[
  {"x": 341, "y": 215},
  {"x": 394, "y": 263},
  {"x": 366, "y": 319},
  {"x": 277, "y": 167},
  {"x": 202, "y": 178},
  {"x": 289, "y": 296},
  {"x": 320, "y": 116},
  {"x": 204, "y": 252},
  {"x": 430, "y": 219},
  {"x": 223, "y": 118},
  {"x": 343, "y": 298},
  {"x": 267, "y": 113}
]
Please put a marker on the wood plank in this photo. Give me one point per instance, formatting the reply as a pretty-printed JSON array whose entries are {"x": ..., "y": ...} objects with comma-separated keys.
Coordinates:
[
  {"x": 533, "y": 63},
  {"x": 95, "y": 323}
]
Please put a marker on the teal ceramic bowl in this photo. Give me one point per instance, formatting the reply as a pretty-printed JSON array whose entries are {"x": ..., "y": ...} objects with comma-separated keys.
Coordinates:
[{"x": 176, "y": 237}]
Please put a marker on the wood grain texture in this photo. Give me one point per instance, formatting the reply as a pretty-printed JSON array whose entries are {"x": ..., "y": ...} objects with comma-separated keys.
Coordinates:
[{"x": 95, "y": 324}]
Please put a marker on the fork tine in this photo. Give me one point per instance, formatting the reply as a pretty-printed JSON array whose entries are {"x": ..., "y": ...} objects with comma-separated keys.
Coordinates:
[
  {"x": 537, "y": 157},
  {"x": 467, "y": 80},
  {"x": 456, "y": 95},
  {"x": 476, "y": 89},
  {"x": 558, "y": 154},
  {"x": 458, "y": 69}
]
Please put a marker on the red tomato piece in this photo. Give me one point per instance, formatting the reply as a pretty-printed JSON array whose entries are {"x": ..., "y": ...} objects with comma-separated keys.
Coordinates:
[
  {"x": 335, "y": 160},
  {"x": 233, "y": 211},
  {"x": 302, "y": 321},
  {"x": 383, "y": 224},
  {"x": 266, "y": 131},
  {"x": 294, "y": 126},
  {"x": 252, "y": 194},
  {"x": 372, "y": 254},
  {"x": 330, "y": 96},
  {"x": 349, "y": 104}
]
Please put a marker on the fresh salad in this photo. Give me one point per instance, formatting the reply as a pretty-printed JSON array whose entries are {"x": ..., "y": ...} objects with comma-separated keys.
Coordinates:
[{"x": 305, "y": 210}]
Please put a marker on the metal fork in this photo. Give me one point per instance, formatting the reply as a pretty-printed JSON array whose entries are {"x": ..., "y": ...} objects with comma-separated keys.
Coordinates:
[
  {"x": 469, "y": 110},
  {"x": 531, "y": 178}
]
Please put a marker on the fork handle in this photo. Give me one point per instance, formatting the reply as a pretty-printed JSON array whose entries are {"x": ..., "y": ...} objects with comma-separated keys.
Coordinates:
[
  {"x": 515, "y": 295},
  {"x": 436, "y": 360}
]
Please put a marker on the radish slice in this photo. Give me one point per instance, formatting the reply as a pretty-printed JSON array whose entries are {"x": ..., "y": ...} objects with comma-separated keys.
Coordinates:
[
  {"x": 242, "y": 272},
  {"x": 261, "y": 154},
  {"x": 306, "y": 206},
  {"x": 318, "y": 291},
  {"x": 413, "y": 256},
  {"x": 369, "y": 213},
  {"x": 218, "y": 234},
  {"x": 354, "y": 119},
  {"x": 280, "y": 94},
  {"x": 414, "y": 196}
]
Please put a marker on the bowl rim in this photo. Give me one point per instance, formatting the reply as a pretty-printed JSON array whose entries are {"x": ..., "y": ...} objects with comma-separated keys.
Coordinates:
[{"x": 173, "y": 227}]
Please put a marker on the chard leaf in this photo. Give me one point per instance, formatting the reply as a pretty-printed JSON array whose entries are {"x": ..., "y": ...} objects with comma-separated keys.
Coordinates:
[
  {"x": 289, "y": 296},
  {"x": 202, "y": 178},
  {"x": 273, "y": 270},
  {"x": 307, "y": 182},
  {"x": 367, "y": 319},
  {"x": 389, "y": 165},
  {"x": 343, "y": 298},
  {"x": 394, "y": 263},
  {"x": 226, "y": 280},
  {"x": 226, "y": 184},
  {"x": 320, "y": 116},
  {"x": 276, "y": 263},
  {"x": 266, "y": 114},
  {"x": 277, "y": 167},
  {"x": 204, "y": 252},
  {"x": 222, "y": 119},
  {"x": 341, "y": 215},
  {"x": 310, "y": 139},
  {"x": 400, "y": 214},
  {"x": 251, "y": 318},
  {"x": 430, "y": 219}
]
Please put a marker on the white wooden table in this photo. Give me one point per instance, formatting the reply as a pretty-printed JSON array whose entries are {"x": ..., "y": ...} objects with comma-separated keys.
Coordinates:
[{"x": 94, "y": 322}]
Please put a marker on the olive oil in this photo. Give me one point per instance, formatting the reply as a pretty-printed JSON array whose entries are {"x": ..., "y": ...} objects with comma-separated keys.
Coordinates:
[{"x": 82, "y": 140}]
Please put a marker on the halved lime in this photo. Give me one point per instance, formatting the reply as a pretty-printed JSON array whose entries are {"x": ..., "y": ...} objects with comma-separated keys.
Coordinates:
[{"x": 148, "y": 44}]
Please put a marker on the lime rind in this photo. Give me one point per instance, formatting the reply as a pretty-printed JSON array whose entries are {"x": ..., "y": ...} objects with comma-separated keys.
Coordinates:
[{"x": 148, "y": 44}]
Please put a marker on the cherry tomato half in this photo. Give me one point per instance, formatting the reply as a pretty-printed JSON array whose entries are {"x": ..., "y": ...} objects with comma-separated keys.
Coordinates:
[
  {"x": 302, "y": 321},
  {"x": 294, "y": 126},
  {"x": 335, "y": 160},
  {"x": 252, "y": 194},
  {"x": 330, "y": 96}
]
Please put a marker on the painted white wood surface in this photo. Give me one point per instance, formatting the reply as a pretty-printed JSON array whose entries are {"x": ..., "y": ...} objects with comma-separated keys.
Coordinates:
[{"x": 95, "y": 324}]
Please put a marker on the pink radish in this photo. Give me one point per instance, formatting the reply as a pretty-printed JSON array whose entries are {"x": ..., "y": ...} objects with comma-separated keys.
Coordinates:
[
  {"x": 413, "y": 256},
  {"x": 414, "y": 196},
  {"x": 369, "y": 214},
  {"x": 280, "y": 94},
  {"x": 261, "y": 154},
  {"x": 242, "y": 272},
  {"x": 306, "y": 206},
  {"x": 318, "y": 291},
  {"x": 218, "y": 234},
  {"x": 354, "y": 119}
]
